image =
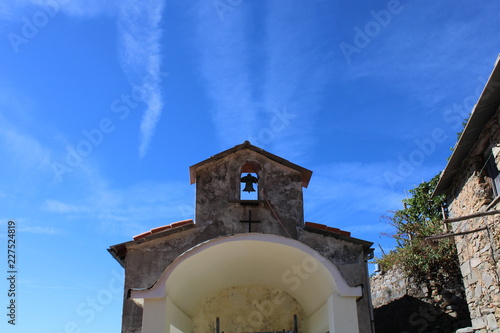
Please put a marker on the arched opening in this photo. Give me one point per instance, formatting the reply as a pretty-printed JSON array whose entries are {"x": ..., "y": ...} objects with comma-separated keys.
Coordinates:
[
  {"x": 249, "y": 181},
  {"x": 247, "y": 276},
  {"x": 249, "y": 188}
]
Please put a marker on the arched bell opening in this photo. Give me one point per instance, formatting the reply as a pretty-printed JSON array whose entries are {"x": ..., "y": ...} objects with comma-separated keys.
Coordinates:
[
  {"x": 250, "y": 181},
  {"x": 253, "y": 273}
]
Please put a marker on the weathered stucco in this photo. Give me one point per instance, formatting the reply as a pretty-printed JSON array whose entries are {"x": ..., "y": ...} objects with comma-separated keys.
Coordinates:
[
  {"x": 218, "y": 195},
  {"x": 247, "y": 309},
  {"x": 147, "y": 260},
  {"x": 219, "y": 210},
  {"x": 350, "y": 258}
]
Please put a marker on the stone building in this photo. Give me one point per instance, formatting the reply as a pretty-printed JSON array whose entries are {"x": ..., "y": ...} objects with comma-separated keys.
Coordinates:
[
  {"x": 432, "y": 304},
  {"x": 471, "y": 183},
  {"x": 246, "y": 264}
]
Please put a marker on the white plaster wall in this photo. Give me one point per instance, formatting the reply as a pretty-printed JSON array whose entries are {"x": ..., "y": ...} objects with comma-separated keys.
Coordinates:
[
  {"x": 344, "y": 318},
  {"x": 153, "y": 318},
  {"x": 318, "y": 322},
  {"x": 176, "y": 319},
  {"x": 247, "y": 309}
]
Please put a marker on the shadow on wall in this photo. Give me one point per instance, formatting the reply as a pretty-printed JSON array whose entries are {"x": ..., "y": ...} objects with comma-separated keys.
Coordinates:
[{"x": 410, "y": 315}]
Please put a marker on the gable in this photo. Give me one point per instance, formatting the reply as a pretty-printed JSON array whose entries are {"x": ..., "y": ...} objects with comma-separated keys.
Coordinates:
[
  {"x": 305, "y": 173},
  {"x": 483, "y": 112}
]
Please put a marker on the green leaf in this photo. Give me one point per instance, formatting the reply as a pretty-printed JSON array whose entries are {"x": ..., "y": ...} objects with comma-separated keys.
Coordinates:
[{"x": 421, "y": 217}]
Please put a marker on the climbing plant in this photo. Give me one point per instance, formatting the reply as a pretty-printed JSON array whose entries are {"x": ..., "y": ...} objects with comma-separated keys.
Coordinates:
[{"x": 421, "y": 217}]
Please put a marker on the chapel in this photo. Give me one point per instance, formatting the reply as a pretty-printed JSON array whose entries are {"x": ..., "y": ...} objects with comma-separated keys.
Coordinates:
[{"x": 247, "y": 262}]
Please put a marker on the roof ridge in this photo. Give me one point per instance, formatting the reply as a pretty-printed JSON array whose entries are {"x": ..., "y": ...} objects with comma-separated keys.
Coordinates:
[
  {"x": 163, "y": 228},
  {"x": 326, "y": 228}
]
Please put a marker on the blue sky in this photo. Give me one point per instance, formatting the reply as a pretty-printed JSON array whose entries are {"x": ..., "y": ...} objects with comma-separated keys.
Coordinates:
[{"x": 105, "y": 104}]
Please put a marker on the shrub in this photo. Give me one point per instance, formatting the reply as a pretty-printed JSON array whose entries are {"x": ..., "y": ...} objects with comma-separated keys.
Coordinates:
[{"x": 421, "y": 217}]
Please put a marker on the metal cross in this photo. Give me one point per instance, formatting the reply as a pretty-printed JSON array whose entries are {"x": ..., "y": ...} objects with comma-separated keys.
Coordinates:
[{"x": 250, "y": 221}]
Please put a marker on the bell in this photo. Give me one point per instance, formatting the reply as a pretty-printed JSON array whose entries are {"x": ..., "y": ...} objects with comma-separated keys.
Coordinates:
[
  {"x": 249, "y": 187},
  {"x": 249, "y": 180}
]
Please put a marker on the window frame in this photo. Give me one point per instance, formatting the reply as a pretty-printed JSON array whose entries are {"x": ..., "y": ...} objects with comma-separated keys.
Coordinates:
[{"x": 492, "y": 170}]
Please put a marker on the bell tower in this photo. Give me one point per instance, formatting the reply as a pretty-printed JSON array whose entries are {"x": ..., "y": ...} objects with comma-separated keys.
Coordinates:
[
  {"x": 246, "y": 189},
  {"x": 249, "y": 263}
]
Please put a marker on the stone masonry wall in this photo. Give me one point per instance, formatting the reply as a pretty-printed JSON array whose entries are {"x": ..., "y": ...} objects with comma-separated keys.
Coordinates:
[
  {"x": 478, "y": 251},
  {"x": 402, "y": 304},
  {"x": 479, "y": 255},
  {"x": 218, "y": 190}
]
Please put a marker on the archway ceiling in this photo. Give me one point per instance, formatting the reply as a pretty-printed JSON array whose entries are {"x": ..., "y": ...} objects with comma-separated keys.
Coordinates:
[{"x": 250, "y": 262}]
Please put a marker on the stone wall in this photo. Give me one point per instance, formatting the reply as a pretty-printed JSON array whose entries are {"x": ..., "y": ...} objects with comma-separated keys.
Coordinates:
[
  {"x": 434, "y": 304},
  {"x": 218, "y": 189},
  {"x": 478, "y": 250},
  {"x": 248, "y": 309},
  {"x": 479, "y": 265}
]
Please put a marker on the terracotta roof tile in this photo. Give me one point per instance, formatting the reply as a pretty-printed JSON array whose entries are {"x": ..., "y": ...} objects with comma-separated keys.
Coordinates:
[
  {"x": 345, "y": 233},
  {"x": 144, "y": 234},
  {"x": 335, "y": 230},
  {"x": 163, "y": 228},
  {"x": 181, "y": 223},
  {"x": 316, "y": 225},
  {"x": 327, "y": 228},
  {"x": 159, "y": 229}
]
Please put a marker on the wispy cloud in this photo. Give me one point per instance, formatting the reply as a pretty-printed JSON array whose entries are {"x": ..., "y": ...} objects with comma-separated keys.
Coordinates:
[
  {"x": 41, "y": 230},
  {"x": 57, "y": 206},
  {"x": 27, "y": 150},
  {"x": 121, "y": 211},
  {"x": 341, "y": 194},
  {"x": 355, "y": 196},
  {"x": 55, "y": 287},
  {"x": 296, "y": 74},
  {"x": 129, "y": 210},
  {"x": 371, "y": 228},
  {"x": 225, "y": 54},
  {"x": 139, "y": 36},
  {"x": 142, "y": 205},
  {"x": 31, "y": 226},
  {"x": 423, "y": 37},
  {"x": 27, "y": 175},
  {"x": 25, "y": 158},
  {"x": 249, "y": 75},
  {"x": 139, "y": 47},
  {"x": 14, "y": 10}
]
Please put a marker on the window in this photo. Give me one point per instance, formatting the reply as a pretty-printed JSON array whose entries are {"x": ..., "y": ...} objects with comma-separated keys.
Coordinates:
[
  {"x": 249, "y": 181},
  {"x": 249, "y": 186},
  {"x": 493, "y": 173}
]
